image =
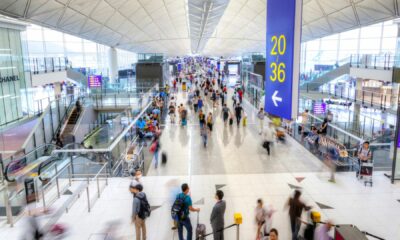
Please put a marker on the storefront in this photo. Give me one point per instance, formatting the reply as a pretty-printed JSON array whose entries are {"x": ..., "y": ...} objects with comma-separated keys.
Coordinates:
[
  {"x": 254, "y": 88},
  {"x": 12, "y": 75}
]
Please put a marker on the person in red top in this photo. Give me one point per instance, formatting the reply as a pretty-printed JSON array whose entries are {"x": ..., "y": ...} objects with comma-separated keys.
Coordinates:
[{"x": 240, "y": 92}]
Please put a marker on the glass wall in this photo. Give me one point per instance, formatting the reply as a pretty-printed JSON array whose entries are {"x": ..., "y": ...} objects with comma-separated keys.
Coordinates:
[
  {"x": 12, "y": 76},
  {"x": 126, "y": 59},
  {"x": 377, "y": 39},
  {"x": 44, "y": 42}
]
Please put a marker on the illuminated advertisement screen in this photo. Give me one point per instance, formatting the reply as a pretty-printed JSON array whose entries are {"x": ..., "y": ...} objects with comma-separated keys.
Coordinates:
[
  {"x": 319, "y": 108},
  {"x": 94, "y": 81}
]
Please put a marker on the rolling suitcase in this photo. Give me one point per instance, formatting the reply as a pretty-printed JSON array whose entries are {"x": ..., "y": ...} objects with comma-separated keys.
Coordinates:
[
  {"x": 200, "y": 230},
  {"x": 163, "y": 158}
]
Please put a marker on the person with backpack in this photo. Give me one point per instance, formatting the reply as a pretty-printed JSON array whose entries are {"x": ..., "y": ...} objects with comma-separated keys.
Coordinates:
[
  {"x": 140, "y": 211},
  {"x": 180, "y": 212},
  {"x": 238, "y": 113},
  {"x": 217, "y": 216}
]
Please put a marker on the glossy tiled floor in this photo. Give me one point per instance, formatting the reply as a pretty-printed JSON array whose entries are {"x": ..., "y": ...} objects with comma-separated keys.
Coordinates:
[{"x": 235, "y": 163}]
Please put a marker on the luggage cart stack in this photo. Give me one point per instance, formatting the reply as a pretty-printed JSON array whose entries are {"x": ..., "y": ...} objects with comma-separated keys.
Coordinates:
[{"x": 365, "y": 172}]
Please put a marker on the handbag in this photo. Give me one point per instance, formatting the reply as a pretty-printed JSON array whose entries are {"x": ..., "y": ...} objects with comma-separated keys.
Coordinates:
[{"x": 153, "y": 147}]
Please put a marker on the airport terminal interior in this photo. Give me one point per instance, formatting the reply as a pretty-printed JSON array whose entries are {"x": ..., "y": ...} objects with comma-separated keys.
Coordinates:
[{"x": 199, "y": 119}]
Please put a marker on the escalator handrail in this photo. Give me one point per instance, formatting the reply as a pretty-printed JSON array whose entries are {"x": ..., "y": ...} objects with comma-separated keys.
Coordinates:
[
  {"x": 6, "y": 168},
  {"x": 45, "y": 164}
]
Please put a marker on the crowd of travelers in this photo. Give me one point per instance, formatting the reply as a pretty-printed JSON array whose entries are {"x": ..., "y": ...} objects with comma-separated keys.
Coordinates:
[{"x": 207, "y": 92}]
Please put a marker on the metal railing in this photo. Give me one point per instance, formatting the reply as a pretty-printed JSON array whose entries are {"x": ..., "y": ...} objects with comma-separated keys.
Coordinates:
[
  {"x": 356, "y": 122},
  {"x": 380, "y": 151},
  {"x": 91, "y": 179},
  {"x": 15, "y": 163},
  {"x": 114, "y": 152},
  {"x": 51, "y": 189},
  {"x": 49, "y": 122},
  {"x": 387, "y": 100},
  {"x": 380, "y": 61},
  {"x": 49, "y": 64}
]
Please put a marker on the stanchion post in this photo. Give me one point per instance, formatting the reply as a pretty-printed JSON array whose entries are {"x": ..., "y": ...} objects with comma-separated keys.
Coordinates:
[{"x": 238, "y": 220}]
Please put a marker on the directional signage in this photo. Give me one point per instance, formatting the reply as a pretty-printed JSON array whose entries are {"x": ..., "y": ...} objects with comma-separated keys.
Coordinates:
[
  {"x": 319, "y": 108},
  {"x": 94, "y": 81},
  {"x": 283, "y": 57}
]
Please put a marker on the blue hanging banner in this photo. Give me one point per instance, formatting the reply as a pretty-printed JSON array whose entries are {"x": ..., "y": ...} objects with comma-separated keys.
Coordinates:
[{"x": 283, "y": 57}]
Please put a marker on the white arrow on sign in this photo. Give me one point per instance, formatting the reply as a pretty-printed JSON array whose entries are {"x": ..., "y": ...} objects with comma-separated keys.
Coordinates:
[{"x": 275, "y": 98}]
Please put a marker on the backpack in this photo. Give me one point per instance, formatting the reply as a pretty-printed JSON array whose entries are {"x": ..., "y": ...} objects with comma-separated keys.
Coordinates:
[
  {"x": 145, "y": 210},
  {"x": 177, "y": 210}
]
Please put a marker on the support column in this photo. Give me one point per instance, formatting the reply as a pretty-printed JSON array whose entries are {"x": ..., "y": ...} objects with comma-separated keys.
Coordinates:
[
  {"x": 359, "y": 88},
  {"x": 395, "y": 148},
  {"x": 113, "y": 64}
]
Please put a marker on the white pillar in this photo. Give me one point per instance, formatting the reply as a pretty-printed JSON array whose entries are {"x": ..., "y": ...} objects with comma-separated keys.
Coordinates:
[{"x": 113, "y": 64}]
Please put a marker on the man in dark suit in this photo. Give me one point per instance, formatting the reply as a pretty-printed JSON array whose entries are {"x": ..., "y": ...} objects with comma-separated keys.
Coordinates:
[{"x": 217, "y": 216}]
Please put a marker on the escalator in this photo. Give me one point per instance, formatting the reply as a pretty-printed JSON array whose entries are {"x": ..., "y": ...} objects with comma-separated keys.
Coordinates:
[
  {"x": 326, "y": 77},
  {"x": 31, "y": 178},
  {"x": 28, "y": 164},
  {"x": 43, "y": 162},
  {"x": 82, "y": 163},
  {"x": 67, "y": 131}
]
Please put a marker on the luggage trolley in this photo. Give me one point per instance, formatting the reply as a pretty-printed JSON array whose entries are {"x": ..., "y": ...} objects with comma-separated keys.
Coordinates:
[{"x": 365, "y": 172}]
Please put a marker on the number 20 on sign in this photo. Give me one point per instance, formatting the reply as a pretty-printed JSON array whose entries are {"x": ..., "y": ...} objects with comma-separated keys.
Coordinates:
[{"x": 278, "y": 49}]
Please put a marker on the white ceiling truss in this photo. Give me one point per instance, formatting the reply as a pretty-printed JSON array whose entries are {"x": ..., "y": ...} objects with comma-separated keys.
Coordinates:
[
  {"x": 179, "y": 27},
  {"x": 204, "y": 16}
]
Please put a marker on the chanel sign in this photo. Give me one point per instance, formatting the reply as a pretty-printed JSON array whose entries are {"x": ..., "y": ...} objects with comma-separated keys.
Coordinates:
[{"x": 13, "y": 78}]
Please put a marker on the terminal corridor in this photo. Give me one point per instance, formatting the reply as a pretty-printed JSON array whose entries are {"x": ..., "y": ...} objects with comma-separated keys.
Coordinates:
[{"x": 199, "y": 120}]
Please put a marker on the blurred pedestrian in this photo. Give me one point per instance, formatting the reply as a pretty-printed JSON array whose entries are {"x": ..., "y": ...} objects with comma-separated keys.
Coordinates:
[
  {"x": 225, "y": 114},
  {"x": 273, "y": 234},
  {"x": 322, "y": 231},
  {"x": 155, "y": 148},
  {"x": 263, "y": 219},
  {"x": 238, "y": 113},
  {"x": 210, "y": 122},
  {"x": 136, "y": 178},
  {"x": 296, "y": 207},
  {"x": 204, "y": 135},
  {"x": 261, "y": 117},
  {"x": 269, "y": 137},
  {"x": 332, "y": 156}
]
